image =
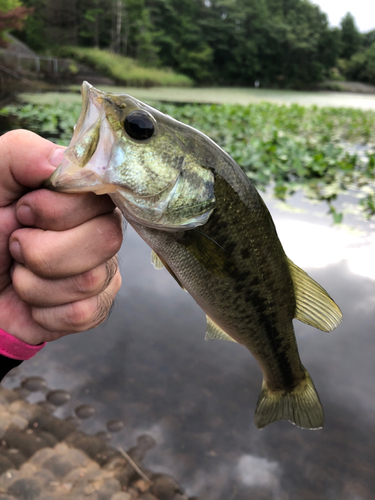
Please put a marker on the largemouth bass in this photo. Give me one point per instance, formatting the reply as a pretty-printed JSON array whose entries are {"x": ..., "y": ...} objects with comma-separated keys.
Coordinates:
[{"x": 208, "y": 226}]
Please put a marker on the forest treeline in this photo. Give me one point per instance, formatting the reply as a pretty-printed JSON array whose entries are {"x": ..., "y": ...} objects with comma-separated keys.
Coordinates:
[{"x": 280, "y": 43}]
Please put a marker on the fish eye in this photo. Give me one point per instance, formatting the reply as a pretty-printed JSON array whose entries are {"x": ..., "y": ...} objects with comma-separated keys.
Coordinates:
[{"x": 139, "y": 125}]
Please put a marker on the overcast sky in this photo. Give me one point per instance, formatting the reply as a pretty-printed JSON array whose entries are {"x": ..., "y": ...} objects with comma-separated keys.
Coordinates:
[{"x": 363, "y": 12}]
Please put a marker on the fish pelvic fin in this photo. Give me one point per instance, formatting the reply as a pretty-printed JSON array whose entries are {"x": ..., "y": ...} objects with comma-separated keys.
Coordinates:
[
  {"x": 313, "y": 304},
  {"x": 301, "y": 406},
  {"x": 214, "y": 332}
]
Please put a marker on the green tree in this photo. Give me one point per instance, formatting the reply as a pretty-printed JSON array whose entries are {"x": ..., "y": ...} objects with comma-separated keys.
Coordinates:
[
  {"x": 34, "y": 30},
  {"x": 368, "y": 38},
  {"x": 361, "y": 66},
  {"x": 7, "y": 5},
  {"x": 12, "y": 17},
  {"x": 351, "y": 38},
  {"x": 302, "y": 43},
  {"x": 89, "y": 27},
  {"x": 285, "y": 43},
  {"x": 279, "y": 42},
  {"x": 179, "y": 37}
]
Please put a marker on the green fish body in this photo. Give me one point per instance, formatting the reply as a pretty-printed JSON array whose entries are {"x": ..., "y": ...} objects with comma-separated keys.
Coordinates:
[{"x": 207, "y": 224}]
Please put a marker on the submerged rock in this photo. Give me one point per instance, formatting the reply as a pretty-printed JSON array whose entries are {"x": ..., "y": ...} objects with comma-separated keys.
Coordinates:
[
  {"x": 84, "y": 411},
  {"x": 34, "y": 384},
  {"x": 58, "y": 397},
  {"x": 25, "y": 488},
  {"x": 115, "y": 425},
  {"x": 166, "y": 488},
  {"x": 121, "y": 495},
  {"x": 45, "y": 458}
]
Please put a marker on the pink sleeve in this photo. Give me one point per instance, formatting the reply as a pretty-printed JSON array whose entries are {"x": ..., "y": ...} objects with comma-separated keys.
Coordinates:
[{"x": 14, "y": 348}]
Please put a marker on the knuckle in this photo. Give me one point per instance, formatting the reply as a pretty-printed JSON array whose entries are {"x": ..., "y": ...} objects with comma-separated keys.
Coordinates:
[
  {"x": 113, "y": 235},
  {"x": 37, "y": 259},
  {"x": 79, "y": 316},
  {"x": 20, "y": 283},
  {"x": 40, "y": 265},
  {"x": 89, "y": 281},
  {"x": 41, "y": 316}
]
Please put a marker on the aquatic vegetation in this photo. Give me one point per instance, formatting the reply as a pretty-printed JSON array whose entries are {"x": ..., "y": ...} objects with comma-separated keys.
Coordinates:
[{"x": 324, "y": 151}]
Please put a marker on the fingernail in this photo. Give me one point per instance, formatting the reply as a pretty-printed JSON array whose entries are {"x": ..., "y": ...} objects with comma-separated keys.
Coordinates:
[
  {"x": 57, "y": 156},
  {"x": 15, "y": 251},
  {"x": 25, "y": 215}
]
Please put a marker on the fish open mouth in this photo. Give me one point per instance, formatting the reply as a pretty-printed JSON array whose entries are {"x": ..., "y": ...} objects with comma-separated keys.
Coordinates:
[
  {"x": 152, "y": 181},
  {"x": 86, "y": 158}
]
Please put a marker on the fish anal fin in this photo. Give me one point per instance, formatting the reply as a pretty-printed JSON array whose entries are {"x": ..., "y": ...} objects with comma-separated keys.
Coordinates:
[
  {"x": 214, "y": 332},
  {"x": 156, "y": 261},
  {"x": 313, "y": 304},
  {"x": 301, "y": 406}
]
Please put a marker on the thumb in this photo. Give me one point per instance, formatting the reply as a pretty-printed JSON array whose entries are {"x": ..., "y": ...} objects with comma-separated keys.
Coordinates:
[{"x": 26, "y": 161}]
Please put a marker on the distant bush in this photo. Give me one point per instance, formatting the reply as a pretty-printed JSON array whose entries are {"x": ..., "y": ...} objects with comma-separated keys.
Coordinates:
[
  {"x": 125, "y": 70},
  {"x": 361, "y": 66}
]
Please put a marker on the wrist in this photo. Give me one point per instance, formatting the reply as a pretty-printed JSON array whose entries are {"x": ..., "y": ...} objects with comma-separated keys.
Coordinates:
[{"x": 14, "y": 348}]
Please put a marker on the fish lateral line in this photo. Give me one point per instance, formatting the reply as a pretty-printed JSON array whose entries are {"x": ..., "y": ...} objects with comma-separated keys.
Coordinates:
[{"x": 206, "y": 235}]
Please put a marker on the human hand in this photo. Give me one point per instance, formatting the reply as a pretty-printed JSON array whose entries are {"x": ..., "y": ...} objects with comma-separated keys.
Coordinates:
[{"x": 58, "y": 265}]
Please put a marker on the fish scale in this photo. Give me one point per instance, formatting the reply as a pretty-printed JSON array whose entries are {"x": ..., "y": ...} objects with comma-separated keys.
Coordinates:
[{"x": 207, "y": 224}]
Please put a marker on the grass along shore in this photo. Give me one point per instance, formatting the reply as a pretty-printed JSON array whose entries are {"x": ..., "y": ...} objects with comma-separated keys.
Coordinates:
[{"x": 124, "y": 70}]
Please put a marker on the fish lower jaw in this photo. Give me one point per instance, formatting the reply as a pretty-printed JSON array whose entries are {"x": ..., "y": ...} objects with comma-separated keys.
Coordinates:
[{"x": 78, "y": 182}]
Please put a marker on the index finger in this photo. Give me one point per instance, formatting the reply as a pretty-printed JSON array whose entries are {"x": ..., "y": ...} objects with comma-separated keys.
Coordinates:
[
  {"x": 60, "y": 211},
  {"x": 26, "y": 161}
]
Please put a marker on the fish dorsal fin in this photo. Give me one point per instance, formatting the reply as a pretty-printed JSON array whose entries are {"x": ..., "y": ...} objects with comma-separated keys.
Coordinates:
[
  {"x": 313, "y": 304},
  {"x": 156, "y": 261},
  {"x": 214, "y": 332}
]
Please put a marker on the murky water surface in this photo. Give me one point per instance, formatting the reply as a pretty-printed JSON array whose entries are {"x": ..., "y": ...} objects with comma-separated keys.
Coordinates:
[
  {"x": 149, "y": 367},
  {"x": 220, "y": 95}
]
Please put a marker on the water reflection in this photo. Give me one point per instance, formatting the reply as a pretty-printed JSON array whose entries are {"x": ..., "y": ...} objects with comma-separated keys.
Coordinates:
[{"x": 149, "y": 367}]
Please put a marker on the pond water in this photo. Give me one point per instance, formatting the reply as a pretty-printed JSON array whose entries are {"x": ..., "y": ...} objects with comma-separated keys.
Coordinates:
[
  {"x": 150, "y": 367},
  {"x": 221, "y": 96}
]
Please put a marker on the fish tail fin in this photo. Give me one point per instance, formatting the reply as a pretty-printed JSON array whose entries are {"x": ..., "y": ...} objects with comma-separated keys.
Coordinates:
[{"x": 301, "y": 406}]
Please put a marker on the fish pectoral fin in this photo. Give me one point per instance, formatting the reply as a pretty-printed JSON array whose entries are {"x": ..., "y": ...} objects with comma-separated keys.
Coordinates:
[
  {"x": 156, "y": 261},
  {"x": 159, "y": 263},
  {"x": 208, "y": 253},
  {"x": 301, "y": 406},
  {"x": 214, "y": 332},
  {"x": 313, "y": 304}
]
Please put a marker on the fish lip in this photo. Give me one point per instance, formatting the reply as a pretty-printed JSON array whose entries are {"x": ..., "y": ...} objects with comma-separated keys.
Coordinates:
[
  {"x": 96, "y": 96},
  {"x": 71, "y": 175},
  {"x": 88, "y": 93}
]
